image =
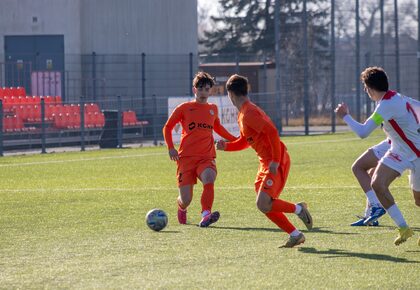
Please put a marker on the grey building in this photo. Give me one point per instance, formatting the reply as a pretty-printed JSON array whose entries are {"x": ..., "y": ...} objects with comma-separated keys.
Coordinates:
[{"x": 99, "y": 48}]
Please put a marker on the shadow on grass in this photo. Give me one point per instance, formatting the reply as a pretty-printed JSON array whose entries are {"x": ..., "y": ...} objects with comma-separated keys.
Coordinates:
[
  {"x": 326, "y": 231},
  {"x": 337, "y": 253},
  {"x": 314, "y": 230},
  {"x": 246, "y": 229}
]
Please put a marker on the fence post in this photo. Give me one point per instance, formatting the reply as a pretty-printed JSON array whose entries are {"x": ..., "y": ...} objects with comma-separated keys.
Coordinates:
[
  {"x": 1, "y": 127},
  {"x": 306, "y": 69},
  {"x": 366, "y": 97},
  {"x": 143, "y": 83},
  {"x": 43, "y": 125},
  {"x": 382, "y": 39},
  {"x": 82, "y": 123},
  {"x": 278, "y": 101},
  {"x": 154, "y": 119},
  {"x": 119, "y": 123},
  {"x": 191, "y": 73},
  {"x": 418, "y": 50},
  {"x": 397, "y": 46},
  {"x": 358, "y": 117},
  {"x": 94, "y": 75},
  {"x": 332, "y": 66}
]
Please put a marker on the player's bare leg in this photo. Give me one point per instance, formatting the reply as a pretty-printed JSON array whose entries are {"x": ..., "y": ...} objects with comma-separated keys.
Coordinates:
[
  {"x": 382, "y": 178},
  {"x": 363, "y": 169},
  {"x": 184, "y": 200}
]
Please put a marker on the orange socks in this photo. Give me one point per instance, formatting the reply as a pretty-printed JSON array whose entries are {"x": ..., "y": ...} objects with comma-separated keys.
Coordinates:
[
  {"x": 276, "y": 215},
  {"x": 281, "y": 221},
  {"x": 207, "y": 197},
  {"x": 283, "y": 206}
]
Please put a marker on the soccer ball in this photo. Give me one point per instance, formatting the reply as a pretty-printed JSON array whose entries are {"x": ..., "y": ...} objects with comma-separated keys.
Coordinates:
[{"x": 156, "y": 219}]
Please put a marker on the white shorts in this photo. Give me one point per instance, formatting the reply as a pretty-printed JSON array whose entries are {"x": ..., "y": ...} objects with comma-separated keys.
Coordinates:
[
  {"x": 399, "y": 164},
  {"x": 380, "y": 149}
]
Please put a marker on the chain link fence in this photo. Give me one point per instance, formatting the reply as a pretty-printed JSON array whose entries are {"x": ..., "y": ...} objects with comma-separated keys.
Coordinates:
[{"x": 113, "y": 100}]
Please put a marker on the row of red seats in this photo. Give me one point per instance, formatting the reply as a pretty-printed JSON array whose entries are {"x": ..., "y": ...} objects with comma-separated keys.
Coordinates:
[
  {"x": 32, "y": 113},
  {"x": 73, "y": 121},
  {"x": 12, "y": 91},
  {"x": 61, "y": 121},
  {"x": 63, "y": 117},
  {"x": 130, "y": 119},
  {"x": 29, "y": 100}
]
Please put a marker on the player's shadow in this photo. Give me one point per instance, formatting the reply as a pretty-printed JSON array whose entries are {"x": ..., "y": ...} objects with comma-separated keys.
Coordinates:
[
  {"x": 322, "y": 230},
  {"x": 338, "y": 253},
  {"x": 246, "y": 229},
  {"x": 314, "y": 230}
]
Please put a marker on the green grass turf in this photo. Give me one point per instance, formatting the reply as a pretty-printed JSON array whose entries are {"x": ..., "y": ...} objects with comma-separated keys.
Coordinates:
[{"x": 76, "y": 220}]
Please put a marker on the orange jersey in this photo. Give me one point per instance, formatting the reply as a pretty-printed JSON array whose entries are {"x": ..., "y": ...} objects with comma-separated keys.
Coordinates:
[
  {"x": 258, "y": 131},
  {"x": 198, "y": 122}
]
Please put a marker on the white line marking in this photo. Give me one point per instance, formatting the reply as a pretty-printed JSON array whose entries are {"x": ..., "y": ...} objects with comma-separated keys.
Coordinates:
[
  {"x": 79, "y": 160},
  {"x": 173, "y": 188},
  {"x": 152, "y": 154}
]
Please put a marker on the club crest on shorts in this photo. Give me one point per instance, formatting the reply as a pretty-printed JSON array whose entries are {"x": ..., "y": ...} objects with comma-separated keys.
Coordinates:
[
  {"x": 269, "y": 182},
  {"x": 211, "y": 112}
]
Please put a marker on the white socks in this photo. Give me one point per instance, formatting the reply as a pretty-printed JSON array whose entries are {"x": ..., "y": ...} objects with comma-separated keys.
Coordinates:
[
  {"x": 373, "y": 199},
  {"x": 395, "y": 213},
  {"x": 295, "y": 233},
  {"x": 298, "y": 209}
]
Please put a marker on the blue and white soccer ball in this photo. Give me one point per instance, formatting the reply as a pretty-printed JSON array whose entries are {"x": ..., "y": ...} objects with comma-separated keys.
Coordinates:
[{"x": 156, "y": 219}]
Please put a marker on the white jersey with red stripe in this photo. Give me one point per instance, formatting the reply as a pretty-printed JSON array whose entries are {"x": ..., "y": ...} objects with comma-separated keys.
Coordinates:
[{"x": 400, "y": 123}]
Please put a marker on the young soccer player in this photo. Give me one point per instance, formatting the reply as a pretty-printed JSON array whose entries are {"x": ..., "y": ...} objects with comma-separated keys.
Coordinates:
[
  {"x": 196, "y": 155},
  {"x": 258, "y": 131},
  {"x": 401, "y": 125}
]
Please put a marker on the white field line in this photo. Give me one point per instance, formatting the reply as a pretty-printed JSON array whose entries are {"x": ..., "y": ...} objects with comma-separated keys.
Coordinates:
[
  {"x": 172, "y": 188},
  {"x": 151, "y": 154},
  {"x": 80, "y": 160}
]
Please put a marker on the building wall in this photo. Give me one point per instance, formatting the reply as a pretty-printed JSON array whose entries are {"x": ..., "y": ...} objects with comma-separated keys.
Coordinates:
[
  {"x": 118, "y": 31},
  {"x": 59, "y": 17},
  {"x": 137, "y": 26}
]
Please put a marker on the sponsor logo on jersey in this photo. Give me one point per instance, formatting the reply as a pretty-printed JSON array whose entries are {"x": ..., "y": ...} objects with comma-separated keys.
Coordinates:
[
  {"x": 193, "y": 125},
  {"x": 211, "y": 112},
  {"x": 269, "y": 182}
]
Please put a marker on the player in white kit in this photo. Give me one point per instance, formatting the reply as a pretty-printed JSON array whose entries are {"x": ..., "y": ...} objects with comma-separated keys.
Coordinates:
[
  {"x": 401, "y": 125},
  {"x": 363, "y": 169}
]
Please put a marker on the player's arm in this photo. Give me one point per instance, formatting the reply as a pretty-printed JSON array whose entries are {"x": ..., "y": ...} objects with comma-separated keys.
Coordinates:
[
  {"x": 362, "y": 130},
  {"x": 237, "y": 145},
  {"x": 221, "y": 131},
  {"x": 175, "y": 117}
]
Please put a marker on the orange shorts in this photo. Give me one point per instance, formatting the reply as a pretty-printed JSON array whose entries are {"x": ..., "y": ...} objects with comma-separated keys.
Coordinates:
[
  {"x": 190, "y": 168},
  {"x": 272, "y": 184}
]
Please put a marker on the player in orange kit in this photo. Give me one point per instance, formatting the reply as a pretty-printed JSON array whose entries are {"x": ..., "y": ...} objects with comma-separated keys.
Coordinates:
[
  {"x": 196, "y": 155},
  {"x": 258, "y": 131}
]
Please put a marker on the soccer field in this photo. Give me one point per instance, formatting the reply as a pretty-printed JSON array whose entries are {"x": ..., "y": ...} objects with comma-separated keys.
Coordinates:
[{"x": 76, "y": 220}]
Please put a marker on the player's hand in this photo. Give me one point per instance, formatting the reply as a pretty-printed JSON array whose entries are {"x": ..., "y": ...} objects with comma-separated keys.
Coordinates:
[
  {"x": 221, "y": 145},
  {"x": 173, "y": 154},
  {"x": 273, "y": 167},
  {"x": 342, "y": 110}
]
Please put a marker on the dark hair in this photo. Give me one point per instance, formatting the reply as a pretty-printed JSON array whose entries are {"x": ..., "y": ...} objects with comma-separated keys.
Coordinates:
[
  {"x": 375, "y": 78},
  {"x": 238, "y": 85},
  {"x": 202, "y": 79}
]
